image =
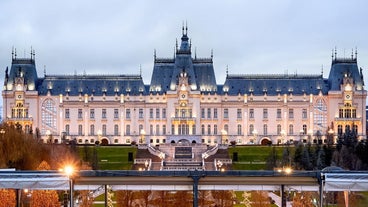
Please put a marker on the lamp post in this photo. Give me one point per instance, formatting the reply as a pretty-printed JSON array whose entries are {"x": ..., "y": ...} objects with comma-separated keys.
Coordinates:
[
  {"x": 219, "y": 165},
  {"x": 2, "y": 132},
  {"x": 99, "y": 134},
  {"x": 69, "y": 170},
  {"x": 283, "y": 133},
  {"x": 48, "y": 135},
  {"x": 255, "y": 134},
  {"x": 142, "y": 140}
]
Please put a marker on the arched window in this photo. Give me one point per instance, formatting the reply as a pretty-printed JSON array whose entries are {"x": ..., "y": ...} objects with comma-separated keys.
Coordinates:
[
  {"x": 278, "y": 129},
  {"x": 320, "y": 115},
  {"x": 48, "y": 113},
  {"x": 92, "y": 130},
  {"x": 226, "y": 128},
  {"x": 265, "y": 129},
  {"x": 239, "y": 129},
  {"x": 116, "y": 130},
  {"x": 251, "y": 128},
  {"x": 291, "y": 129}
]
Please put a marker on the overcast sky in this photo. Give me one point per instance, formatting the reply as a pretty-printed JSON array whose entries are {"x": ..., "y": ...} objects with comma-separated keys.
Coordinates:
[{"x": 116, "y": 36}]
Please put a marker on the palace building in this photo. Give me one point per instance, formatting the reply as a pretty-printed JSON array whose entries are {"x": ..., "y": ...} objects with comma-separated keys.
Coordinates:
[{"x": 184, "y": 103}]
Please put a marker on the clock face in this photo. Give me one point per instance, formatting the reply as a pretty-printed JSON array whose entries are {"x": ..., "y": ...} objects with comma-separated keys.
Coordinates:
[
  {"x": 347, "y": 96},
  {"x": 19, "y": 96},
  {"x": 183, "y": 96}
]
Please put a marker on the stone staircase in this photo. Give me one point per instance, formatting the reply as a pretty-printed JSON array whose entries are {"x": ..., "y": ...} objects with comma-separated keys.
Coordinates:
[{"x": 186, "y": 156}]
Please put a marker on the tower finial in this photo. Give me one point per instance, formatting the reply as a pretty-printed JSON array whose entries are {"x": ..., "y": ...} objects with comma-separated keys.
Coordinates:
[
  {"x": 44, "y": 70},
  {"x": 332, "y": 54},
  {"x": 356, "y": 53},
  {"x": 352, "y": 54},
  {"x": 227, "y": 70},
  {"x": 13, "y": 53},
  {"x": 186, "y": 27},
  {"x": 211, "y": 53},
  {"x": 335, "y": 53},
  {"x": 140, "y": 70},
  {"x": 154, "y": 54},
  {"x": 322, "y": 70},
  {"x": 176, "y": 44},
  {"x": 31, "y": 53},
  {"x": 182, "y": 29}
]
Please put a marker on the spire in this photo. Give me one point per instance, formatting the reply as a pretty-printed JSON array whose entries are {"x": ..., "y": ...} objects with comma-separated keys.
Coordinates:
[
  {"x": 140, "y": 70},
  {"x": 211, "y": 53},
  {"x": 176, "y": 44},
  {"x": 190, "y": 44},
  {"x": 185, "y": 46},
  {"x": 335, "y": 53},
  {"x": 44, "y": 70},
  {"x": 186, "y": 27},
  {"x": 352, "y": 54},
  {"x": 322, "y": 70},
  {"x": 31, "y": 53},
  {"x": 227, "y": 70},
  {"x": 332, "y": 54},
  {"x": 154, "y": 54},
  {"x": 195, "y": 53},
  {"x": 356, "y": 53},
  {"x": 182, "y": 29},
  {"x": 13, "y": 53}
]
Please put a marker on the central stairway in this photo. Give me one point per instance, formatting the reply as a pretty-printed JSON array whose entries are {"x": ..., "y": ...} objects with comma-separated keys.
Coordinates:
[{"x": 181, "y": 156}]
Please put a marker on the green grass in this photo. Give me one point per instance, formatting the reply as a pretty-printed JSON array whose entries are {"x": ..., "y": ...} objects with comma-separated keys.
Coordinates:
[
  {"x": 111, "y": 158},
  {"x": 252, "y": 157}
]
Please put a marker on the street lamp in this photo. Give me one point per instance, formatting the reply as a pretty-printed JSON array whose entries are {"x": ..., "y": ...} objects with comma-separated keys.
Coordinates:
[
  {"x": 99, "y": 134},
  {"x": 2, "y": 132},
  {"x": 69, "y": 170},
  {"x": 142, "y": 140},
  {"x": 255, "y": 134},
  {"x": 219, "y": 165},
  {"x": 48, "y": 135},
  {"x": 283, "y": 133}
]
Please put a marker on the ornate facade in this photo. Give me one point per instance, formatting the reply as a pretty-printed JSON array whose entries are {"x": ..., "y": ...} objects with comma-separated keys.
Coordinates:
[{"x": 183, "y": 102}]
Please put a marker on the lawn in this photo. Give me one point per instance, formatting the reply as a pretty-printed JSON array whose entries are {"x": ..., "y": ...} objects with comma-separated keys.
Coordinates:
[
  {"x": 111, "y": 158},
  {"x": 252, "y": 157}
]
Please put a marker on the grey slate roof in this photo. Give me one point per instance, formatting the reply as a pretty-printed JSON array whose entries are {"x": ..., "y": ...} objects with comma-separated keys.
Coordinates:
[
  {"x": 92, "y": 84},
  {"x": 25, "y": 68},
  {"x": 275, "y": 84},
  {"x": 341, "y": 67},
  {"x": 201, "y": 77}
]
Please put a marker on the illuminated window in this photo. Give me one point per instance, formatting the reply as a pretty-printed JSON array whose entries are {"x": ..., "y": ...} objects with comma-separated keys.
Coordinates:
[{"x": 48, "y": 115}]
